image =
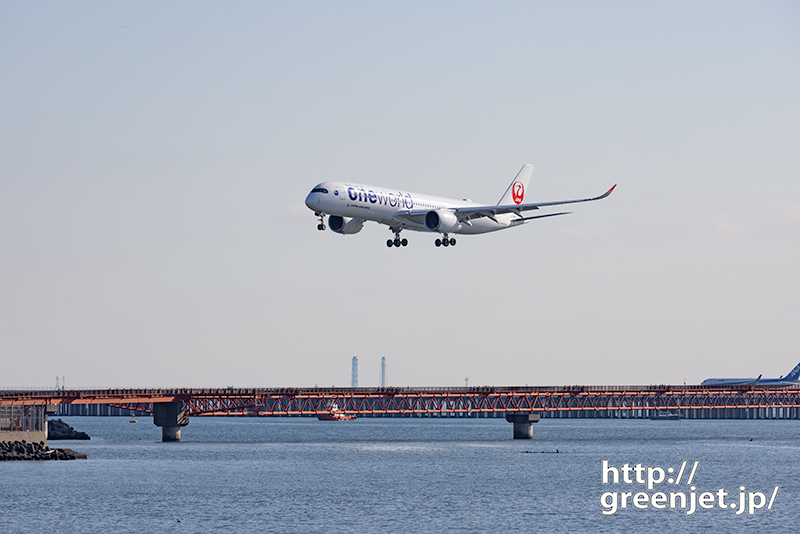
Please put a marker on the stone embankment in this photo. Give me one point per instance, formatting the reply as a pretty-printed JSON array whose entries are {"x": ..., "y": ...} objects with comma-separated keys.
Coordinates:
[
  {"x": 58, "y": 429},
  {"x": 21, "y": 450}
]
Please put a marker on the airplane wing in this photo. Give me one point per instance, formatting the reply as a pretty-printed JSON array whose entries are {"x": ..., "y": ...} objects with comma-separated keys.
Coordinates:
[{"x": 473, "y": 212}]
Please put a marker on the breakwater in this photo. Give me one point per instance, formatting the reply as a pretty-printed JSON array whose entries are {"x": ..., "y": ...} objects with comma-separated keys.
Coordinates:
[
  {"x": 58, "y": 429},
  {"x": 22, "y": 450}
]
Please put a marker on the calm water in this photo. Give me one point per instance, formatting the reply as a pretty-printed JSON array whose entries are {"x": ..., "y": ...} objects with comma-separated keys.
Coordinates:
[{"x": 393, "y": 475}]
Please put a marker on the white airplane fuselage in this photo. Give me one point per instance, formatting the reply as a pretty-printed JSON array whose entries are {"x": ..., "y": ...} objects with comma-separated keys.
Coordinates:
[{"x": 382, "y": 205}]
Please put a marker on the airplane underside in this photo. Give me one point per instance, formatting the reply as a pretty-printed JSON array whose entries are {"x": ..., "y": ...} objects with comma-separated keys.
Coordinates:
[{"x": 351, "y": 225}]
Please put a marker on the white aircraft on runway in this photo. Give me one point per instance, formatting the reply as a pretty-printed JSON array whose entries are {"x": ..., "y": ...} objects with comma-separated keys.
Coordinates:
[{"x": 349, "y": 205}]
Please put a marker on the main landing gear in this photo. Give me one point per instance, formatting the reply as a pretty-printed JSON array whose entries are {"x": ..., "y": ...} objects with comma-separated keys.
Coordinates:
[
  {"x": 445, "y": 242},
  {"x": 397, "y": 242},
  {"x": 321, "y": 225}
]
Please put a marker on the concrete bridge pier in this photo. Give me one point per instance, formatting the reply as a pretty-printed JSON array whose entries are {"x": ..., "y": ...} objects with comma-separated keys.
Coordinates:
[
  {"x": 523, "y": 424},
  {"x": 169, "y": 416}
]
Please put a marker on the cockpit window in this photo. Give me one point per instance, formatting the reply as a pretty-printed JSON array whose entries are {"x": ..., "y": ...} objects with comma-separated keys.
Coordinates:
[{"x": 319, "y": 190}]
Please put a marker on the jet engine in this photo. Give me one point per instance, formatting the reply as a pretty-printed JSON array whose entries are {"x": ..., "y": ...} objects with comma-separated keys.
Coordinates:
[
  {"x": 441, "y": 221},
  {"x": 345, "y": 225}
]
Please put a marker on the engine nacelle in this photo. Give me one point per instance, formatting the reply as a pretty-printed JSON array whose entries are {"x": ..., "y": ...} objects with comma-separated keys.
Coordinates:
[
  {"x": 441, "y": 221},
  {"x": 345, "y": 225}
]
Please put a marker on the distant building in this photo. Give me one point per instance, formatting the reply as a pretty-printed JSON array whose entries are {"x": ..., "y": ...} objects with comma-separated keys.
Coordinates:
[{"x": 354, "y": 374}]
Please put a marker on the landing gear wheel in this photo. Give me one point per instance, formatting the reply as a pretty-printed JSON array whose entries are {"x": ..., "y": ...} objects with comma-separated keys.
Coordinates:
[
  {"x": 438, "y": 242},
  {"x": 445, "y": 242},
  {"x": 321, "y": 217},
  {"x": 452, "y": 241},
  {"x": 396, "y": 242}
]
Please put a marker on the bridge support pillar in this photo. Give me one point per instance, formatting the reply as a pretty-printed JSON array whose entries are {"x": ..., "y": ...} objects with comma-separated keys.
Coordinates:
[
  {"x": 523, "y": 424},
  {"x": 169, "y": 416}
]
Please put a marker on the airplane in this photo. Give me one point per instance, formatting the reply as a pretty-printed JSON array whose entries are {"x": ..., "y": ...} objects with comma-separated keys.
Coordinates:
[
  {"x": 791, "y": 378},
  {"x": 349, "y": 205}
]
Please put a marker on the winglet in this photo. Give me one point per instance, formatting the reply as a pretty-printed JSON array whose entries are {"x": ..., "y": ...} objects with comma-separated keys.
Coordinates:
[{"x": 604, "y": 195}]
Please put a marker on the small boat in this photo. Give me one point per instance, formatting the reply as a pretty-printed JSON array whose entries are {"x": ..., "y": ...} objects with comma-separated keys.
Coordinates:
[
  {"x": 335, "y": 414},
  {"x": 133, "y": 419},
  {"x": 335, "y": 417}
]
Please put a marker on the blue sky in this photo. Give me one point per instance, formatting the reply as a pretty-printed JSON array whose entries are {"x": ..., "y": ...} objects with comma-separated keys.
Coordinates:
[{"x": 154, "y": 158}]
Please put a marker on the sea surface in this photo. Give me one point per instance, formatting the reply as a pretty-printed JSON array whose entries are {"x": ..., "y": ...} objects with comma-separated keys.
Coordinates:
[{"x": 235, "y": 474}]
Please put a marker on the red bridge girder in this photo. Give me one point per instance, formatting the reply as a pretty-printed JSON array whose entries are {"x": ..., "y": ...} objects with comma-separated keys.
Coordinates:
[
  {"x": 311, "y": 401},
  {"x": 498, "y": 402}
]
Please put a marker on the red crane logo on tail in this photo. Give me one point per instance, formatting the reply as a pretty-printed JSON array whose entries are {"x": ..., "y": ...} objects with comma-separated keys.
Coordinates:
[{"x": 518, "y": 192}]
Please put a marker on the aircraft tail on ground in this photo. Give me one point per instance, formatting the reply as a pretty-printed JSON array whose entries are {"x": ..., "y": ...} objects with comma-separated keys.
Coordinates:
[
  {"x": 794, "y": 374},
  {"x": 515, "y": 194}
]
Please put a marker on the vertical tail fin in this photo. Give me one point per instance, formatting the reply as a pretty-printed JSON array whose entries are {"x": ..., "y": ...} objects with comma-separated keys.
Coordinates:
[
  {"x": 515, "y": 194},
  {"x": 794, "y": 374}
]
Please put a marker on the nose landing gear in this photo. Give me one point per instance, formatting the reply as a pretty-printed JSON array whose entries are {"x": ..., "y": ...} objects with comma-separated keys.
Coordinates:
[
  {"x": 397, "y": 242},
  {"x": 445, "y": 242},
  {"x": 321, "y": 225}
]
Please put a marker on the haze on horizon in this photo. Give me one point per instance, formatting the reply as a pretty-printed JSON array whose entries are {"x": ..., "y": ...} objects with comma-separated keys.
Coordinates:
[{"x": 154, "y": 159}]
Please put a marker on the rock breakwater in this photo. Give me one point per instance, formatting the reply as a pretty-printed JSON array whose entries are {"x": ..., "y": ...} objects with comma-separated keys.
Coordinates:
[
  {"x": 58, "y": 429},
  {"x": 21, "y": 450}
]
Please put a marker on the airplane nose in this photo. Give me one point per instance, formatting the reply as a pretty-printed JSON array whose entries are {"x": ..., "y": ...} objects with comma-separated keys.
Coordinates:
[{"x": 311, "y": 200}]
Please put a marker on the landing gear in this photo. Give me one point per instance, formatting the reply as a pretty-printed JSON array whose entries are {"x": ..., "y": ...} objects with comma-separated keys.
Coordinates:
[
  {"x": 445, "y": 242},
  {"x": 397, "y": 242},
  {"x": 321, "y": 225}
]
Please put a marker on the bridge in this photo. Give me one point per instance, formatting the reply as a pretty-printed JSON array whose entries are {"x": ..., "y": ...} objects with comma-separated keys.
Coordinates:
[{"x": 171, "y": 408}]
